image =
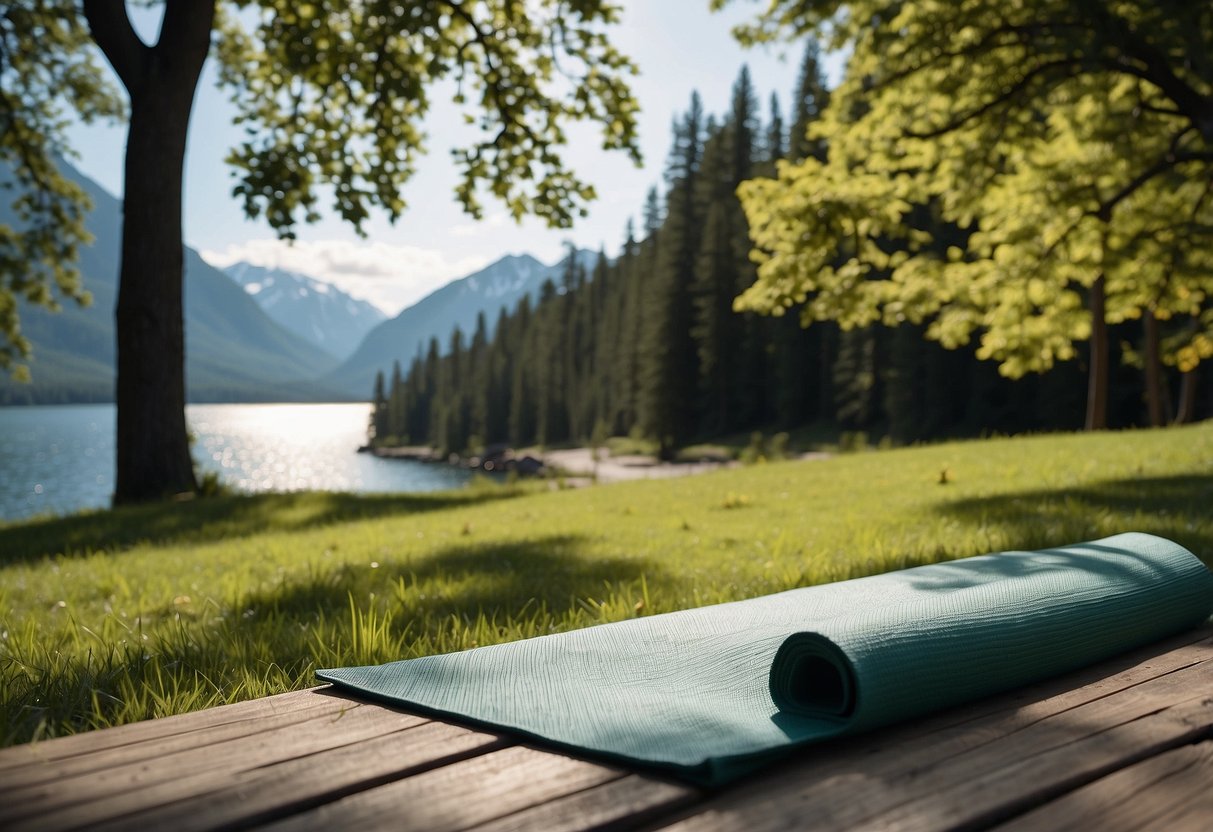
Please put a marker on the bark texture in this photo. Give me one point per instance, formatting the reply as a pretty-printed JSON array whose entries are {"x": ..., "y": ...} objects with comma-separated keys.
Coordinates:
[{"x": 153, "y": 456}]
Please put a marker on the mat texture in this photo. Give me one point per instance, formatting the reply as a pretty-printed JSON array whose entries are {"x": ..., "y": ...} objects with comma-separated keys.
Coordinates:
[{"x": 711, "y": 693}]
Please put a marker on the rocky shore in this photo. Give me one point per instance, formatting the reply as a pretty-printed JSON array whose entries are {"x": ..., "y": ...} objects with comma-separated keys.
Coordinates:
[
  {"x": 577, "y": 466},
  {"x": 495, "y": 460}
]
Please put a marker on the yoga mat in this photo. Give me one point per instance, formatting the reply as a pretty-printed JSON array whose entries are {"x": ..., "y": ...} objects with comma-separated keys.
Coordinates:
[{"x": 709, "y": 694}]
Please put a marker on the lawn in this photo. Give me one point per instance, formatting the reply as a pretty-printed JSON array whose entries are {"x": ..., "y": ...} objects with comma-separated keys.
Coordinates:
[{"x": 111, "y": 617}]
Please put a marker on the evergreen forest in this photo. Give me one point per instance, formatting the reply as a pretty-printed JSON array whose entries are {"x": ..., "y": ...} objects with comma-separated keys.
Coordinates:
[{"x": 650, "y": 344}]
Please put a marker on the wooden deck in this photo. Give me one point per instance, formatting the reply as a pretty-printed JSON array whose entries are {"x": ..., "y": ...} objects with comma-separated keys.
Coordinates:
[{"x": 1124, "y": 745}]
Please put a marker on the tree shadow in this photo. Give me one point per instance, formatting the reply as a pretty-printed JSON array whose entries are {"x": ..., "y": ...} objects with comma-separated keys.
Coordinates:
[
  {"x": 218, "y": 518},
  {"x": 1175, "y": 507},
  {"x": 499, "y": 580},
  {"x": 274, "y": 639}
]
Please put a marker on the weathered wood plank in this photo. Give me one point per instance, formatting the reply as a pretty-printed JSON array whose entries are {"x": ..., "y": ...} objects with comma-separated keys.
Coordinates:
[
  {"x": 246, "y": 795},
  {"x": 1197, "y": 816},
  {"x": 88, "y": 742},
  {"x": 619, "y": 804},
  {"x": 284, "y": 742},
  {"x": 459, "y": 796},
  {"x": 845, "y": 784},
  {"x": 163, "y": 748},
  {"x": 317, "y": 758},
  {"x": 1162, "y": 792},
  {"x": 1021, "y": 783}
]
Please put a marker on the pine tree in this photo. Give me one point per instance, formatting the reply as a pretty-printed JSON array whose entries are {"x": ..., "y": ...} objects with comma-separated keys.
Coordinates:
[
  {"x": 396, "y": 416},
  {"x": 625, "y": 348},
  {"x": 776, "y": 148},
  {"x": 477, "y": 389},
  {"x": 812, "y": 96},
  {"x": 522, "y": 390},
  {"x": 670, "y": 369},
  {"x": 427, "y": 427},
  {"x": 502, "y": 354},
  {"x": 379, "y": 411}
]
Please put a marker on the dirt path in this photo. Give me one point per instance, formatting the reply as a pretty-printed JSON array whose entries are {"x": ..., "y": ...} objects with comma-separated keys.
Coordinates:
[{"x": 579, "y": 463}]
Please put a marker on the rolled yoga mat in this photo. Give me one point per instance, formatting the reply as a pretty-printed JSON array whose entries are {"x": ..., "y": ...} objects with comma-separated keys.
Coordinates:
[{"x": 711, "y": 693}]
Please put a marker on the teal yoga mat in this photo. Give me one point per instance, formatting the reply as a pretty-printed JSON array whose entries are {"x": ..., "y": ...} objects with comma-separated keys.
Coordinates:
[{"x": 711, "y": 693}]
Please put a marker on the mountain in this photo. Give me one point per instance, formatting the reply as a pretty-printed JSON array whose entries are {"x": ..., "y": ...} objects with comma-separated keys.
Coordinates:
[
  {"x": 312, "y": 309},
  {"x": 500, "y": 284},
  {"x": 234, "y": 351}
]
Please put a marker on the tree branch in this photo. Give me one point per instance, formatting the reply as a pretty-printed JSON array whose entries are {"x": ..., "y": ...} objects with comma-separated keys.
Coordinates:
[
  {"x": 111, "y": 29},
  {"x": 991, "y": 42},
  {"x": 1002, "y": 98},
  {"x": 185, "y": 36},
  {"x": 1155, "y": 68},
  {"x": 1170, "y": 160}
]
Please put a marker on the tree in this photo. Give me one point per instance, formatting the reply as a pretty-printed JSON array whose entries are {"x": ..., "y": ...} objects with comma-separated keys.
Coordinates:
[
  {"x": 669, "y": 372},
  {"x": 380, "y": 415},
  {"x": 331, "y": 95},
  {"x": 810, "y": 101},
  {"x": 946, "y": 118},
  {"x": 44, "y": 68}
]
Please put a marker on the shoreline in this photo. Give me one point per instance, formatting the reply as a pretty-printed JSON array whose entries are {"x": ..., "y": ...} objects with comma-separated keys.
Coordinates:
[{"x": 574, "y": 466}]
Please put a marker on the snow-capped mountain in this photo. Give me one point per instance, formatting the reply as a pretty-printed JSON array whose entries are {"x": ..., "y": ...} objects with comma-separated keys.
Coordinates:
[
  {"x": 234, "y": 351},
  {"x": 500, "y": 284},
  {"x": 320, "y": 312}
]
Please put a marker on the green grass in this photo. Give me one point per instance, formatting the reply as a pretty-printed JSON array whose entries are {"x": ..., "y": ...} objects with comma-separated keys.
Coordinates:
[{"x": 111, "y": 617}]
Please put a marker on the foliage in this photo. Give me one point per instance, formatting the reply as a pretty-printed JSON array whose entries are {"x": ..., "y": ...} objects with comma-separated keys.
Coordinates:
[
  {"x": 46, "y": 73},
  {"x": 330, "y": 96},
  {"x": 150, "y": 610},
  {"x": 987, "y": 164},
  {"x": 333, "y": 95},
  {"x": 650, "y": 344}
]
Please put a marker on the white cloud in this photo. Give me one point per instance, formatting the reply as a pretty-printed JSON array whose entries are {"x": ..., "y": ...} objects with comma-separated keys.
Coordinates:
[{"x": 389, "y": 276}]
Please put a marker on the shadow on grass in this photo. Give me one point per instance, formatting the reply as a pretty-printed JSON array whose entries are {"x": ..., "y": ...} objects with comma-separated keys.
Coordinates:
[
  {"x": 218, "y": 518},
  {"x": 453, "y": 598},
  {"x": 503, "y": 581},
  {"x": 1177, "y": 508}
]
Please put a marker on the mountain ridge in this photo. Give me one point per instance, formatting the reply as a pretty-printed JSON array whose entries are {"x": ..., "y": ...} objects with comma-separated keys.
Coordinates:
[
  {"x": 234, "y": 351},
  {"x": 315, "y": 310},
  {"x": 501, "y": 284}
]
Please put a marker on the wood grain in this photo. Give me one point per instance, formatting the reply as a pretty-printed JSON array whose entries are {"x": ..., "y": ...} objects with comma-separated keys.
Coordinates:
[
  {"x": 229, "y": 799},
  {"x": 843, "y": 785},
  {"x": 1127, "y": 744},
  {"x": 618, "y": 804},
  {"x": 461, "y": 795},
  {"x": 1022, "y": 782},
  {"x": 1173, "y": 790},
  {"x": 149, "y": 730},
  {"x": 281, "y": 742},
  {"x": 173, "y": 747}
]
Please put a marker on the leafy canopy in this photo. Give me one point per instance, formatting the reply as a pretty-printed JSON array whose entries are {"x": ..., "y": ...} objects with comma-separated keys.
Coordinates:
[
  {"x": 47, "y": 72},
  {"x": 331, "y": 96},
  {"x": 987, "y": 162}
]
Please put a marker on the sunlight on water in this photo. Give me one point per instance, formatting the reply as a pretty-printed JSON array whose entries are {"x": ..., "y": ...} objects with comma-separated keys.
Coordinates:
[{"x": 60, "y": 459}]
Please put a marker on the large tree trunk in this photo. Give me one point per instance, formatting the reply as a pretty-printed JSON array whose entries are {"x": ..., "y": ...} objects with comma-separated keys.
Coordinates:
[
  {"x": 1097, "y": 386},
  {"x": 153, "y": 451},
  {"x": 1153, "y": 361},
  {"x": 153, "y": 458}
]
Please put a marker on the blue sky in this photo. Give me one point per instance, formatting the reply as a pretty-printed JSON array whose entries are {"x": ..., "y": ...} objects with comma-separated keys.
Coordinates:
[{"x": 678, "y": 45}]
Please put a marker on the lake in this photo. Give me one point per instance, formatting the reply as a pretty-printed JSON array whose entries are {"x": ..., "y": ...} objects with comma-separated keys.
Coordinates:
[{"x": 61, "y": 459}]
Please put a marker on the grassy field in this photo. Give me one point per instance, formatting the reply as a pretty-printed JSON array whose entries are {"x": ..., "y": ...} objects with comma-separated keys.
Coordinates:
[{"x": 112, "y": 617}]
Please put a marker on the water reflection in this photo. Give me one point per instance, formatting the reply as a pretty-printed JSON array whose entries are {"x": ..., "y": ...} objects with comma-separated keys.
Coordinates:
[{"x": 60, "y": 459}]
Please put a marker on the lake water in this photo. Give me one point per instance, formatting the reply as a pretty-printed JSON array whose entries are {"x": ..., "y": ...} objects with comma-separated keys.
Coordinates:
[{"x": 61, "y": 459}]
